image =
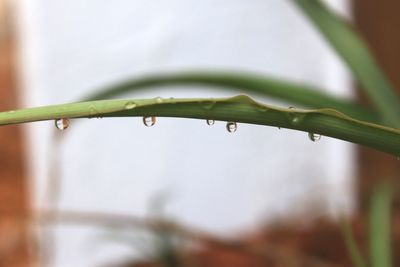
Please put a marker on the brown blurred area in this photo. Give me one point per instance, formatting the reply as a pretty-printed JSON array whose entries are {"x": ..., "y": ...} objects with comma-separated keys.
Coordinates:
[
  {"x": 13, "y": 184},
  {"x": 379, "y": 23},
  {"x": 319, "y": 244}
]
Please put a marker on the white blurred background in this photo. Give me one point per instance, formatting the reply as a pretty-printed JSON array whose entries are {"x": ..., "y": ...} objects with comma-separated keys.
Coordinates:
[{"x": 211, "y": 179}]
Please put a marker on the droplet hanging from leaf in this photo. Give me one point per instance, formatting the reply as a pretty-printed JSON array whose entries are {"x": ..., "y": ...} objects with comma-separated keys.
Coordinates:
[
  {"x": 149, "y": 121},
  {"x": 231, "y": 126},
  {"x": 210, "y": 122},
  {"x": 314, "y": 137},
  {"x": 62, "y": 124}
]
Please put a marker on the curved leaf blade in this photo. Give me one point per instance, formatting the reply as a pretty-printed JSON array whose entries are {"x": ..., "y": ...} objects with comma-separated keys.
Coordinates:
[
  {"x": 327, "y": 122},
  {"x": 357, "y": 56},
  {"x": 296, "y": 94}
]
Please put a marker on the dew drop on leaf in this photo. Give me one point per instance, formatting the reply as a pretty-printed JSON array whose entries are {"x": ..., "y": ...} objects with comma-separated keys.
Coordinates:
[
  {"x": 149, "y": 121},
  {"x": 231, "y": 126},
  {"x": 314, "y": 137},
  {"x": 62, "y": 124},
  {"x": 130, "y": 105},
  {"x": 295, "y": 120},
  {"x": 210, "y": 122}
]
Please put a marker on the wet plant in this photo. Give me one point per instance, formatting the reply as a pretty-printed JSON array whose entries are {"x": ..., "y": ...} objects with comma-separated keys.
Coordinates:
[{"x": 321, "y": 114}]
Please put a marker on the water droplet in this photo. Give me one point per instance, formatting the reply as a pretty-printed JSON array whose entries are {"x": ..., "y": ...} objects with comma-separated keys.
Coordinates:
[
  {"x": 231, "y": 126},
  {"x": 62, "y": 124},
  {"x": 295, "y": 119},
  {"x": 130, "y": 105},
  {"x": 210, "y": 122},
  {"x": 209, "y": 105},
  {"x": 149, "y": 121},
  {"x": 314, "y": 137}
]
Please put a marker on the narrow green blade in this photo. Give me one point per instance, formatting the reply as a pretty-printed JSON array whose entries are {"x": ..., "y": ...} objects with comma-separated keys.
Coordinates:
[
  {"x": 356, "y": 54},
  {"x": 351, "y": 244},
  {"x": 295, "y": 94},
  {"x": 327, "y": 122},
  {"x": 380, "y": 227}
]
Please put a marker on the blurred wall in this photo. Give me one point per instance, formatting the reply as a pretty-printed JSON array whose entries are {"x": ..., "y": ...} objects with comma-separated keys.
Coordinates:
[
  {"x": 224, "y": 183},
  {"x": 14, "y": 199},
  {"x": 379, "y": 23}
]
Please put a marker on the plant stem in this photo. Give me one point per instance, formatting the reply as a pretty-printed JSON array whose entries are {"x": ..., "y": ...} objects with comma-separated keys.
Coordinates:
[{"x": 240, "y": 108}]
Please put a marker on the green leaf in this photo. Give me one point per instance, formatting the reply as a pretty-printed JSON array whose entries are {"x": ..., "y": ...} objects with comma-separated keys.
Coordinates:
[
  {"x": 351, "y": 244},
  {"x": 356, "y": 54},
  {"x": 296, "y": 94},
  {"x": 327, "y": 122},
  {"x": 380, "y": 226}
]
